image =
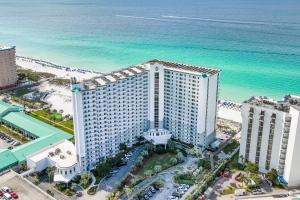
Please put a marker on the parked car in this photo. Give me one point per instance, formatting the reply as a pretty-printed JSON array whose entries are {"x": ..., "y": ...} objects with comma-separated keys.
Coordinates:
[
  {"x": 7, "y": 196},
  {"x": 14, "y": 195},
  {"x": 79, "y": 194},
  {"x": 5, "y": 189}
]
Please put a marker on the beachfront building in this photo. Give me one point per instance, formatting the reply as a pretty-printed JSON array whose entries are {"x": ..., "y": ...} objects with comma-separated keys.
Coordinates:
[
  {"x": 37, "y": 154},
  {"x": 270, "y": 131},
  {"x": 8, "y": 67},
  {"x": 157, "y": 100}
]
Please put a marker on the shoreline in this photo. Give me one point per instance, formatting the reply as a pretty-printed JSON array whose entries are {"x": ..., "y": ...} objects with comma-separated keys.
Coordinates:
[{"x": 60, "y": 71}]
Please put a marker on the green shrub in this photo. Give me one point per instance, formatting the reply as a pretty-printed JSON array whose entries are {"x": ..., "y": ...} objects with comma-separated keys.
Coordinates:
[{"x": 92, "y": 190}]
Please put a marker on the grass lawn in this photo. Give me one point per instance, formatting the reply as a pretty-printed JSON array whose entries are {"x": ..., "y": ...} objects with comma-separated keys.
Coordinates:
[
  {"x": 44, "y": 114},
  {"x": 188, "y": 179},
  {"x": 67, "y": 123},
  {"x": 230, "y": 147},
  {"x": 13, "y": 134},
  {"x": 156, "y": 159}
]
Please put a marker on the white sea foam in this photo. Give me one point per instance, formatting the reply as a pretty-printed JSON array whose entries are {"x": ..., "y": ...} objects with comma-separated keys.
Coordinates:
[
  {"x": 140, "y": 17},
  {"x": 224, "y": 21}
]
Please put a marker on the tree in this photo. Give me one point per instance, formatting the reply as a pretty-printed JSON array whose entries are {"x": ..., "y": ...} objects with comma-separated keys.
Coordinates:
[
  {"x": 157, "y": 168},
  {"x": 114, "y": 196},
  {"x": 251, "y": 168},
  {"x": 171, "y": 145},
  {"x": 243, "y": 179},
  {"x": 128, "y": 190},
  {"x": 272, "y": 176},
  {"x": 123, "y": 147},
  {"x": 50, "y": 173},
  {"x": 145, "y": 153},
  {"x": 173, "y": 161},
  {"x": 257, "y": 179},
  {"x": 180, "y": 156},
  {"x": 140, "y": 139},
  {"x": 189, "y": 197},
  {"x": 85, "y": 178},
  {"x": 140, "y": 161},
  {"x": 148, "y": 173}
]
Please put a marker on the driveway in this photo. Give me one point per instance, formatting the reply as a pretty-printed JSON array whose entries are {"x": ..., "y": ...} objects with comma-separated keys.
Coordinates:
[{"x": 110, "y": 184}]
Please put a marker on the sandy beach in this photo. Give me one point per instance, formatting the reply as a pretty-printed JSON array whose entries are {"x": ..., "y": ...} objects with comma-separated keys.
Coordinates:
[
  {"x": 60, "y": 97},
  {"x": 60, "y": 71}
]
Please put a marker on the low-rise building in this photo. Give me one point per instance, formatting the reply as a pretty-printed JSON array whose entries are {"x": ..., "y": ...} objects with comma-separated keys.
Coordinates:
[
  {"x": 270, "y": 132},
  {"x": 44, "y": 138},
  {"x": 61, "y": 156}
]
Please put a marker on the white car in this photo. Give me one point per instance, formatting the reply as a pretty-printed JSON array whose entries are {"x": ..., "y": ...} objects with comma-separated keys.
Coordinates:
[
  {"x": 172, "y": 198},
  {"x": 5, "y": 189}
]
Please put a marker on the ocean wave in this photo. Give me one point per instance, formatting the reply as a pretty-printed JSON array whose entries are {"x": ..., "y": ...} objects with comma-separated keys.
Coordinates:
[
  {"x": 146, "y": 18},
  {"x": 229, "y": 21}
]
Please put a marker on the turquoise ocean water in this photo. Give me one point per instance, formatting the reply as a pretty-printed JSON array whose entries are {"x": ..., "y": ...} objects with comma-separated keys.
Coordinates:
[{"x": 256, "y": 43}]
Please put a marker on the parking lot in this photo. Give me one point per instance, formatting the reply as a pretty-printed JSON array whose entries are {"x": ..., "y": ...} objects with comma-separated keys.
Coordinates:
[
  {"x": 23, "y": 188},
  {"x": 171, "y": 190},
  {"x": 7, "y": 141}
]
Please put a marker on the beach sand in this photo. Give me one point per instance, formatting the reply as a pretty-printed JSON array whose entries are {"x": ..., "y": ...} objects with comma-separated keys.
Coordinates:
[
  {"x": 59, "y": 72},
  {"x": 230, "y": 114},
  {"x": 60, "y": 97}
]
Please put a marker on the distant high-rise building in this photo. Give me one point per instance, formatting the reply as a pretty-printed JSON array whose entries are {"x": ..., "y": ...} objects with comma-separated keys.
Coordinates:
[
  {"x": 8, "y": 67},
  {"x": 270, "y": 132},
  {"x": 156, "y": 100}
]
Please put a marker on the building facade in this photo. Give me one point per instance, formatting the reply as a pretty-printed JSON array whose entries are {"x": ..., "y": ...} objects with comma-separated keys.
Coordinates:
[
  {"x": 8, "y": 67},
  {"x": 270, "y": 130},
  {"x": 156, "y": 100}
]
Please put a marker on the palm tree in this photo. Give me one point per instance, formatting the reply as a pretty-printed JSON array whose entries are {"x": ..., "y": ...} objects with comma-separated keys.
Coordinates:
[
  {"x": 173, "y": 161},
  {"x": 157, "y": 168},
  {"x": 242, "y": 159},
  {"x": 50, "y": 173},
  {"x": 171, "y": 145}
]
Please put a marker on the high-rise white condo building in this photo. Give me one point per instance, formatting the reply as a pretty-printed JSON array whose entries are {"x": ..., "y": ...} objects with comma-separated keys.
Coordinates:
[
  {"x": 270, "y": 132},
  {"x": 156, "y": 100}
]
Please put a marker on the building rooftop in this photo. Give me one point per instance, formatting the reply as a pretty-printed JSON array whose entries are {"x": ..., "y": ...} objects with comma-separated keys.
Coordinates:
[
  {"x": 62, "y": 153},
  {"x": 3, "y": 48},
  {"x": 46, "y": 135},
  {"x": 283, "y": 105},
  {"x": 133, "y": 70},
  {"x": 188, "y": 68}
]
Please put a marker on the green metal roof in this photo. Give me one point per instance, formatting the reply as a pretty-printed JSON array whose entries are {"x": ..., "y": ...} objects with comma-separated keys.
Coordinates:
[
  {"x": 36, "y": 145},
  {"x": 45, "y": 133},
  {"x": 7, "y": 158},
  {"x": 31, "y": 125}
]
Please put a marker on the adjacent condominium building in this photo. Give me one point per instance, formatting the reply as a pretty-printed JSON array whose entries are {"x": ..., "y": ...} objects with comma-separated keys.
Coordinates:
[
  {"x": 156, "y": 100},
  {"x": 8, "y": 67},
  {"x": 270, "y": 132}
]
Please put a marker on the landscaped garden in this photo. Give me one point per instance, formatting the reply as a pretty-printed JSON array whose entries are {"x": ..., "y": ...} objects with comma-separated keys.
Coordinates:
[
  {"x": 186, "y": 178},
  {"x": 152, "y": 161},
  {"x": 54, "y": 118}
]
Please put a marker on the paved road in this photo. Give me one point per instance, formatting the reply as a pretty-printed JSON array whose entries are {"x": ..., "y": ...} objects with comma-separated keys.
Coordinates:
[{"x": 111, "y": 183}]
